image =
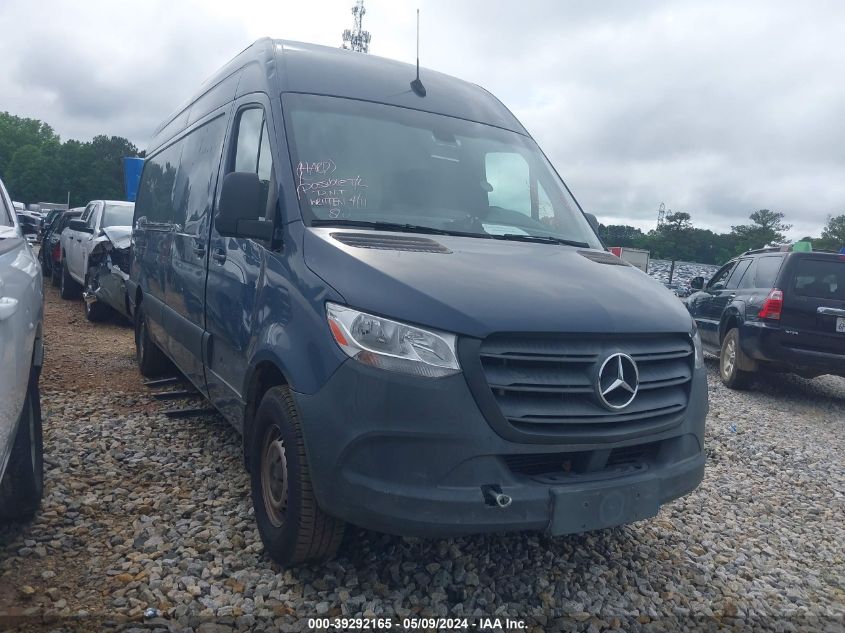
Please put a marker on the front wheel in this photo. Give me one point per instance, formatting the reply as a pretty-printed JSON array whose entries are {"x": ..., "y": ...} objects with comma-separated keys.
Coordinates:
[
  {"x": 23, "y": 484},
  {"x": 293, "y": 527},
  {"x": 729, "y": 360}
]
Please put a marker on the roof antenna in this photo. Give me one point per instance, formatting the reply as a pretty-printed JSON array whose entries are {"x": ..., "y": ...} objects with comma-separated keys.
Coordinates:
[{"x": 416, "y": 84}]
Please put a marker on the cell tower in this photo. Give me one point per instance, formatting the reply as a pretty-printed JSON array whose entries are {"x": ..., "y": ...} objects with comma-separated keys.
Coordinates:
[
  {"x": 357, "y": 39},
  {"x": 661, "y": 214}
]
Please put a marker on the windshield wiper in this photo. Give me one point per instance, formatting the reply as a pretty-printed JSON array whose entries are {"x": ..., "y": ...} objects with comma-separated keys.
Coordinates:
[
  {"x": 543, "y": 239},
  {"x": 389, "y": 226}
]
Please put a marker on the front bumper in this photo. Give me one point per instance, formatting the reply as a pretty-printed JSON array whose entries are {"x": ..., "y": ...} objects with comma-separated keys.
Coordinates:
[{"x": 409, "y": 456}]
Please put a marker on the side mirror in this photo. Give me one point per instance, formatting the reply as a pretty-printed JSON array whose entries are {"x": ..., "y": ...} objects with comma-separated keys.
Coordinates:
[
  {"x": 240, "y": 207},
  {"x": 79, "y": 225},
  {"x": 593, "y": 220},
  {"x": 697, "y": 283}
]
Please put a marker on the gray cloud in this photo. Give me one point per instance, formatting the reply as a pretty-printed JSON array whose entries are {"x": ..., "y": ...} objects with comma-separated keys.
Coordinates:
[{"x": 714, "y": 108}]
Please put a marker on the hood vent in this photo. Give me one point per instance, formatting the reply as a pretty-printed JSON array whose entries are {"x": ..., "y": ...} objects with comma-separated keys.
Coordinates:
[
  {"x": 603, "y": 257},
  {"x": 391, "y": 242}
]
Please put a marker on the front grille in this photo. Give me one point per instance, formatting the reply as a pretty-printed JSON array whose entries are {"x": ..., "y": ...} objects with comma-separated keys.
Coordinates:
[{"x": 545, "y": 384}]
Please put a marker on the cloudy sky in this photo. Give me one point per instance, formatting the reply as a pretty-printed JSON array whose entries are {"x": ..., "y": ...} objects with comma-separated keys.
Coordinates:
[{"x": 716, "y": 108}]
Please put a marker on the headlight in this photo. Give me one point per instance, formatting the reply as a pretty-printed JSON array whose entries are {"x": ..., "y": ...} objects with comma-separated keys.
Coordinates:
[
  {"x": 391, "y": 345},
  {"x": 696, "y": 343}
]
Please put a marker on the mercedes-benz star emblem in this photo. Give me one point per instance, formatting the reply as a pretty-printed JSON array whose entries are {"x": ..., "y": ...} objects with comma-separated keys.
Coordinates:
[{"x": 618, "y": 381}]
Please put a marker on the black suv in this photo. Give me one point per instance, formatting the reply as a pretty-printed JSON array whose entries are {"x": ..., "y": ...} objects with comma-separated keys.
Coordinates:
[{"x": 774, "y": 309}]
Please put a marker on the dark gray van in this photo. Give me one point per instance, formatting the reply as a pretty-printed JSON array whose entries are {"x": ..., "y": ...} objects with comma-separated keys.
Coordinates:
[{"x": 391, "y": 294}]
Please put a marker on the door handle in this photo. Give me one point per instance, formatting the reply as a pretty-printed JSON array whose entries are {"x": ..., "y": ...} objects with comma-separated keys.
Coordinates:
[
  {"x": 199, "y": 251},
  {"x": 219, "y": 256},
  {"x": 8, "y": 306}
]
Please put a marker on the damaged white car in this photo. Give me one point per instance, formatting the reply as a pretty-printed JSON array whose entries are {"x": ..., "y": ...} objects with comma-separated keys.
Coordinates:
[{"x": 96, "y": 256}]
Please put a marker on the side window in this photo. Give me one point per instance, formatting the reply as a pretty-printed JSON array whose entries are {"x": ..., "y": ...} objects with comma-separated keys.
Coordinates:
[
  {"x": 507, "y": 175},
  {"x": 249, "y": 140},
  {"x": 197, "y": 174},
  {"x": 156, "y": 188},
  {"x": 767, "y": 271},
  {"x": 721, "y": 276},
  {"x": 738, "y": 273},
  {"x": 252, "y": 148},
  {"x": 747, "y": 280}
]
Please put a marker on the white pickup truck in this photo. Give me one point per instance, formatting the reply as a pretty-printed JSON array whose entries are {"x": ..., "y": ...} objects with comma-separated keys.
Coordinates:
[{"x": 93, "y": 257}]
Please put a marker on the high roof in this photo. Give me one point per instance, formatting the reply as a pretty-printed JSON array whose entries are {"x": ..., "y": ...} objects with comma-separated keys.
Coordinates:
[
  {"x": 277, "y": 66},
  {"x": 333, "y": 71}
]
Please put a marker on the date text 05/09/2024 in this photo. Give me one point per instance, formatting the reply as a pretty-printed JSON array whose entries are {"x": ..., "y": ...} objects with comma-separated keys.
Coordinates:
[{"x": 492, "y": 624}]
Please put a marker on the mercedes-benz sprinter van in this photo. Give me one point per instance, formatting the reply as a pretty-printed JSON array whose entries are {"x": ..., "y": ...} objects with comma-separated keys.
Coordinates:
[{"x": 393, "y": 296}]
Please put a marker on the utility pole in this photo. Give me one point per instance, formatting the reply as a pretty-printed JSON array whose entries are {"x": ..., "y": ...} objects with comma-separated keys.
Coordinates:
[{"x": 357, "y": 39}]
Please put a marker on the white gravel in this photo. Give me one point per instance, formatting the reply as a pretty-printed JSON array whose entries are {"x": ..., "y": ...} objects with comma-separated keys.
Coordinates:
[{"x": 146, "y": 512}]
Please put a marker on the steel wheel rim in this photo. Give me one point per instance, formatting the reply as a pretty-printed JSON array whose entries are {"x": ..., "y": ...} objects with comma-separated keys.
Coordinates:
[
  {"x": 729, "y": 358},
  {"x": 274, "y": 481}
]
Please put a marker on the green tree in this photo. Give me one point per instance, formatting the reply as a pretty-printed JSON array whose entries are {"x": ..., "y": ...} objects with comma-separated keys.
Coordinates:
[
  {"x": 619, "y": 234},
  {"x": 767, "y": 227},
  {"x": 833, "y": 235},
  {"x": 17, "y": 132},
  {"x": 37, "y": 167}
]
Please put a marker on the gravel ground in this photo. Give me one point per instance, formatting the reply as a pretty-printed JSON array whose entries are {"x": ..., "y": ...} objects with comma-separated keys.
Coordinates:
[{"x": 142, "y": 512}]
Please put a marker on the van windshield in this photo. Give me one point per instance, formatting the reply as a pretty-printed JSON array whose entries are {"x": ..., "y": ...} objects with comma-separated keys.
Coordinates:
[{"x": 356, "y": 161}]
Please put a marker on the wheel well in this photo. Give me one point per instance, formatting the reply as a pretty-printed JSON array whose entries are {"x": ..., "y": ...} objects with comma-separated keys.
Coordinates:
[
  {"x": 265, "y": 376},
  {"x": 732, "y": 321}
]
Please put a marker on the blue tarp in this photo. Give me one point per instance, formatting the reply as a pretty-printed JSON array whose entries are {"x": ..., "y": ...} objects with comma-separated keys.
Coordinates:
[{"x": 131, "y": 175}]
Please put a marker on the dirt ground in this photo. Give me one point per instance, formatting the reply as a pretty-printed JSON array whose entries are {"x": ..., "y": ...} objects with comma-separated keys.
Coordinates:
[
  {"x": 82, "y": 355},
  {"x": 93, "y": 361}
]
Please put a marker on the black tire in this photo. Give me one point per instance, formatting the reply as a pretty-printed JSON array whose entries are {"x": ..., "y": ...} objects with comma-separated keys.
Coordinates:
[
  {"x": 23, "y": 483},
  {"x": 729, "y": 360},
  {"x": 292, "y": 526},
  {"x": 96, "y": 311},
  {"x": 56, "y": 274},
  {"x": 152, "y": 362},
  {"x": 68, "y": 288}
]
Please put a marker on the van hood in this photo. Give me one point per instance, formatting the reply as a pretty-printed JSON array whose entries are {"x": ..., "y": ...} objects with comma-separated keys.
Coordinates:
[
  {"x": 481, "y": 286},
  {"x": 119, "y": 236}
]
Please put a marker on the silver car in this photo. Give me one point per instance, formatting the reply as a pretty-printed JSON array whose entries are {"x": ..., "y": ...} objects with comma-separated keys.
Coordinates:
[{"x": 21, "y": 353}]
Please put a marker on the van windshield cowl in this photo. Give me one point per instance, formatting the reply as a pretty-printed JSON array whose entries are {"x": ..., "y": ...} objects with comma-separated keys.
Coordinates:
[{"x": 363, "y": 163}]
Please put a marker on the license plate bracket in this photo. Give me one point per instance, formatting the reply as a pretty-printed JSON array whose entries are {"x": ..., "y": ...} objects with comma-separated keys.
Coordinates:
[{"x": 599, "y": 508}]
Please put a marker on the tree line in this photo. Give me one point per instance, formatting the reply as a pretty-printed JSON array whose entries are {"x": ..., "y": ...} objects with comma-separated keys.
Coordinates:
[
  {"x": 36, "y": 166},
  {"x": 676, "y": 237}
]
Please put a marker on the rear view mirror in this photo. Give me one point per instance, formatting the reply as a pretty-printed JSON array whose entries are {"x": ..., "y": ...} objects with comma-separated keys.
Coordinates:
[
  {"x": 697, "y": 283},
  {"x": 593, "y": 220},
  {"x": 241, "y": 207},
  {"x": 79, "y": 225}
]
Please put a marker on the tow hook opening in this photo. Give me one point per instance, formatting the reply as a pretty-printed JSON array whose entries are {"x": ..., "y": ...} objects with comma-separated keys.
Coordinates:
[{"x": 494, "y": 497}]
